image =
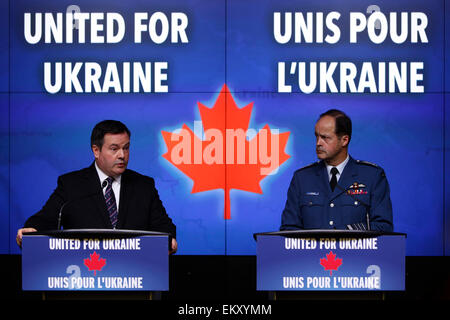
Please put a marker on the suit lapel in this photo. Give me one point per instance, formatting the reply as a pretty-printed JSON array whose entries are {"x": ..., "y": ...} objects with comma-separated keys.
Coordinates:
[
  {"x": 348, "y": 176},
  {"x": 125, "y": 192},
  {"x": 93, "y": 183},
  {"x": 322, "y": 177}
]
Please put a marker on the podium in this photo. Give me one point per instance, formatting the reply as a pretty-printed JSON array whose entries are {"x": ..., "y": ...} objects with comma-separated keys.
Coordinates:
[
  {"x": 96, "y": 264},
  {"x": 334, "y": 264}
]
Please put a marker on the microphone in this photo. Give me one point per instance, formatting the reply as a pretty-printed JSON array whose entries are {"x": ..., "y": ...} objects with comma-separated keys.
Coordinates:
[
  {"x": 104, "y": 184},
  {"x": 356, "y": 226}
]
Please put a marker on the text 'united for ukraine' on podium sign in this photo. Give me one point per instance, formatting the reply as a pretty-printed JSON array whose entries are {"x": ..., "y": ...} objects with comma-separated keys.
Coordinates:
[
  {"x": 138, "y": 263},
  {"x": 330, "y": 263}
]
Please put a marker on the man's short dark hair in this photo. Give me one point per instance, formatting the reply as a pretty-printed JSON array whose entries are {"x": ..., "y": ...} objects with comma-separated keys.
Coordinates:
[
  {"x": 104, "y": 127},
  {"x": 343, "y": 124}
]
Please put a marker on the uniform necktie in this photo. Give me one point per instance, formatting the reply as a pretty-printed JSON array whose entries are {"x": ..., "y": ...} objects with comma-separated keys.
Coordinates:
[
  {"x": 111, "y": 202},
  {"x": 333, "y": 181}
]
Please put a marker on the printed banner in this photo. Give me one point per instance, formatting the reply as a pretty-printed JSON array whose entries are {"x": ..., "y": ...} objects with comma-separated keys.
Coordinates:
[
  {"x": 221, "y": 98},
  {"x": 139, "y": 263},
  {"x": 331, "y": 263}
]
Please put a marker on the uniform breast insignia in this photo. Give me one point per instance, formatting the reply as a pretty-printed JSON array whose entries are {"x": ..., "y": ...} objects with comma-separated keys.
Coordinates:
[{"x": 356, "y": 188}]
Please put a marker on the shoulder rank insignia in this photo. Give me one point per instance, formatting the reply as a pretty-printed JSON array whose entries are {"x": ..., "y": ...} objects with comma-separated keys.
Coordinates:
[
  {"x": 367, "y": 163},
  {"x": 309, "y": 165}
]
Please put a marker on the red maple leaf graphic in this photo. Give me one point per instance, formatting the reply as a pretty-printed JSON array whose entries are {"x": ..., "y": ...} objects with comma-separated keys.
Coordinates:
[
  {"x": 331, "y": 263},
  {"x": 226, "y": 159},
  {"x": 94, "y": 264}
]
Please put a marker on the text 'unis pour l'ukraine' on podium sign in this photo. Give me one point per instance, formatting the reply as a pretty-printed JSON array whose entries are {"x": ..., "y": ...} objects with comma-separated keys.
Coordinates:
[
  {"x": 324, "y": 260},
  {"x": 98, "y": 260}
]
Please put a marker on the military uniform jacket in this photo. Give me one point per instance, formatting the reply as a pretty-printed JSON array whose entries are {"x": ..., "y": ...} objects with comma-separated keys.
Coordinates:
[{"x": 362, "y": 188}]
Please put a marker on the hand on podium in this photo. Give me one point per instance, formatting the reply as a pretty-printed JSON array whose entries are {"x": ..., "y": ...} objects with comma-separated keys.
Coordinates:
[
  {"x": 20, "y": 234},
  {"x": 173, "y": 247}
]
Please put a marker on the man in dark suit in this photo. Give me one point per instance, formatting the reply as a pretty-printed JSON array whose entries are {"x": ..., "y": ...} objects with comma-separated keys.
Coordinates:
[
  {"x": 337, "y": 192},
  {"x": 105, "y": 195}
]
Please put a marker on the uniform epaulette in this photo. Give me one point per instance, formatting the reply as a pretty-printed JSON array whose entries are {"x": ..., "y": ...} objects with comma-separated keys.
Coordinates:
[
  {"x": 367, "y": 163},
  {"x": 309, "y": 165}
]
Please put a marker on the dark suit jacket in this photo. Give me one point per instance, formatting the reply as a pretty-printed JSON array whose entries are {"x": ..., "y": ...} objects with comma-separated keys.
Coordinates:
[{"x": 84, "y": 204}]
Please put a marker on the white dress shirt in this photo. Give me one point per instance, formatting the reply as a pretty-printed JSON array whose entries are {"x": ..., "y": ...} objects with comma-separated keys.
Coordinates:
[
  {"x": 340, "y": 168},
  {"x": 115, "y": 184}
]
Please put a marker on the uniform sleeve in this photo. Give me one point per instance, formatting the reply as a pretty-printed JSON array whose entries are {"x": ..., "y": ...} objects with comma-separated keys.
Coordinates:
[
  {"x": 291, "y": 217},
  {"x": 381, "y": 206},
  {"x": 47, "y": 217}
]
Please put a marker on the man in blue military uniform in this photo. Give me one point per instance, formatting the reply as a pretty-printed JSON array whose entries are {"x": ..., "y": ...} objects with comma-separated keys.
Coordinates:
[{"x": 337, "y": 192}]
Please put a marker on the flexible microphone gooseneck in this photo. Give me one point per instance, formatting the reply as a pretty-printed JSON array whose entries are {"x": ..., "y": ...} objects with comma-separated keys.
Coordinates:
[{"x": 104, "y": 184}]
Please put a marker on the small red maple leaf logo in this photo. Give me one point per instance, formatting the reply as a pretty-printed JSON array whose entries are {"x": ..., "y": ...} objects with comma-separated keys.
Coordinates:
[
  {"x": 94, "y": 264},
  {"x": 331, "y": 263},
  {"x": 227, "y": 158}
]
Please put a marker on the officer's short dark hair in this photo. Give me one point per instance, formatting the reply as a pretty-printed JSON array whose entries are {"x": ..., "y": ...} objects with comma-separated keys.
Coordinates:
[
  {"x": 104, "y": 127},
  {"x": 343, "y": 124}
]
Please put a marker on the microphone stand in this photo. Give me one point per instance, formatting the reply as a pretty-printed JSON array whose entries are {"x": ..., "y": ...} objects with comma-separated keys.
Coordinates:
[{"x": 104, "y": 184}]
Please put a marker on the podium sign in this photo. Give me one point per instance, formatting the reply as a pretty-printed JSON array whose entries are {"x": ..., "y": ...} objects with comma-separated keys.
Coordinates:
[
  {"x": 98, "y": 264},
  {"x": 327, "y": 261}
]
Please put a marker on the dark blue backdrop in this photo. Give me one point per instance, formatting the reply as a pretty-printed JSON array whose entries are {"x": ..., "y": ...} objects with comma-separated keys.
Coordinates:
[{"x": 44, "y": 136}]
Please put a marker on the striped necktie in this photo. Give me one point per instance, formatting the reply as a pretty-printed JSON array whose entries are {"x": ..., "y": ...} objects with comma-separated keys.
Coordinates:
[{"x": 111, "y": 202}]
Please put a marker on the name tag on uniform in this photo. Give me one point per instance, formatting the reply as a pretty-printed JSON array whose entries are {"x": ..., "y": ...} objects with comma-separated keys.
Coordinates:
[{"x": 312, "y": 193}]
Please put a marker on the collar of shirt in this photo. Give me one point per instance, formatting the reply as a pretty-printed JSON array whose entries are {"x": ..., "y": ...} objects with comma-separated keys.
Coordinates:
[
  {"x": 115, "y": 185},
  {"x": 103, "y": 176},
  {"x": 340, "y": 168}
]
